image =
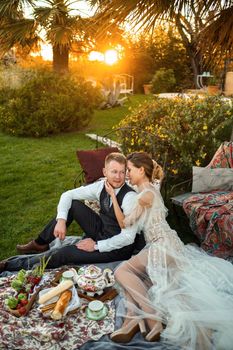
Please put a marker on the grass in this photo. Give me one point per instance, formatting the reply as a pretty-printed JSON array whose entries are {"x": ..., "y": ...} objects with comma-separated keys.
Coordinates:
[
  {"x": 34, "y": 173},
  {"x": 104, "y": 120}
]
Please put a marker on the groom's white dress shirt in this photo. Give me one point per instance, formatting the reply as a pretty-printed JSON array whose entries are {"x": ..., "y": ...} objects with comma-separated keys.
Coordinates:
[{"x": 92, "y": 192}]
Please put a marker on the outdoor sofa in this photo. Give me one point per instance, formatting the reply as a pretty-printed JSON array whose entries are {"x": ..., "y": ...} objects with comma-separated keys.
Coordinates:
[{"x": 209, "y": 206}]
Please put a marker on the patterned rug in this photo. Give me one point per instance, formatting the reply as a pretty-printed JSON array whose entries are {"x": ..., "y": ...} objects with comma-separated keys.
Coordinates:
[{"x": 36, "y": 331}]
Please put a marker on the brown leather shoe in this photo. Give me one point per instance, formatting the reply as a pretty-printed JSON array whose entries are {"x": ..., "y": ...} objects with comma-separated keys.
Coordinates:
[
  {"x": 3, "y": 265},
  {"x": 32, "y": 248}
]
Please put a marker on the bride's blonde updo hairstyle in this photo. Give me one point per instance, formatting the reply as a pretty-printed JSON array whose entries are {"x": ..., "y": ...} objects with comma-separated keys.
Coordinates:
[{"x": 152, "y": 169}]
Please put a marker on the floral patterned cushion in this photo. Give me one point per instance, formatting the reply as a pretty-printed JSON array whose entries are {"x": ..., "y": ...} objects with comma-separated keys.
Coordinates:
[{"x": 223, "y": 157}]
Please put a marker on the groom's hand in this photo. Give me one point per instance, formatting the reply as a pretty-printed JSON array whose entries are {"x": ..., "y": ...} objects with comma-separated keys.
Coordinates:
[
  {"x": 60, "y": 229},
  {"x": 86, "y": 244}
]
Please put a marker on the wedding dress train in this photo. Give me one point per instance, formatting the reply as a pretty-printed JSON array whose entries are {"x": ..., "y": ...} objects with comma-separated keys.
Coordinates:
[{"x": 182, "y": 286}]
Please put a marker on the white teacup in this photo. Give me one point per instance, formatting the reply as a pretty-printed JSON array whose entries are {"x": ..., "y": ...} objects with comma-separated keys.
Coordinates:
[
  {"x": 96, "y": 306},
  {"x": 96, "y": 310},
  {"x": 67, "y": 275}
]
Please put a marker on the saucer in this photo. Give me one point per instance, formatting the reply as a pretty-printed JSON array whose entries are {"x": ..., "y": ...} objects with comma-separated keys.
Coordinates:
[{"x": 92, "y": 315}]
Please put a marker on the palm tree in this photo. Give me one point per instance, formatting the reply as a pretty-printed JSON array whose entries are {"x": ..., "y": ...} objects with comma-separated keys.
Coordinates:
[
  {"x": 62, "y": 29},
  {"x": 219, "y": 31},
  {"x": 194, "y": 19}
]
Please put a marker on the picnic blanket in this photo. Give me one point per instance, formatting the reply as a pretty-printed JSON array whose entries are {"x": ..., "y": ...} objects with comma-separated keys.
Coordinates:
[
  {"x": 211, "y": 219},
  {"x": 36, "y": 331},
  {"x": 74, "y": 332}
]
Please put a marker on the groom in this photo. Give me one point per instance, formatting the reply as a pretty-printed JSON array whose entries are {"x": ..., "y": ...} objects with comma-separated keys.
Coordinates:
[{"x": 104, "y": 238}]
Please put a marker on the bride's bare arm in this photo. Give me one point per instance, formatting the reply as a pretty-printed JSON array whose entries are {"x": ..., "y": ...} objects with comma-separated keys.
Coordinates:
[
  {"x": 118, "y": 212},
  {"x": 144, "y": 201}
]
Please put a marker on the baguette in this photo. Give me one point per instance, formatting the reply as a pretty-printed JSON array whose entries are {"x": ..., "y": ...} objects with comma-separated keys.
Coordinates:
[
  {"x": 61, "y": 305},
  {"x": 48, "y": 307},
  {"x": 55, "y": 291}
]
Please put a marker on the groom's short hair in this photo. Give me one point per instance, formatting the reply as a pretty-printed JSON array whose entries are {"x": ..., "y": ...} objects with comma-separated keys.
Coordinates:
[{"x": 117, "y": 156}]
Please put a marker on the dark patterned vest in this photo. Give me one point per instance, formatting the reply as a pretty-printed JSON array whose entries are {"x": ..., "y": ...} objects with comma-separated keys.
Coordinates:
[{"x": 110, "y": 225}]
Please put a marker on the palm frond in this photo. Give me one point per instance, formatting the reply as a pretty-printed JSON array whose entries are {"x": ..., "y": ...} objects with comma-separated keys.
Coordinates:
[
  {"x": 60, "y": 35},
  {"x": 140, "y": 13},
  {"x": 22, "y": 31},
  {"x": 218, "y": 35},
  {"x": 43, "y": 14},
  {"x": 12, "y": 8},
  {"x": 77, "y": 23},
  {"x": 146, "y": 13}
]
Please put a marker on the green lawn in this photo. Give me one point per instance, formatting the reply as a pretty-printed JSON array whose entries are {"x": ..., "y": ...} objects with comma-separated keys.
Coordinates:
[
  {"x": 104, "y": 120},
  {"x": 34, "y": 173}
]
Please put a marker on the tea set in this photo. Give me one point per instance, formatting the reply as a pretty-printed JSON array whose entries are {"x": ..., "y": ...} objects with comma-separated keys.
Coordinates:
[
  {"x": 62, "y": 295},
  {"x": 92, "y": 280}
]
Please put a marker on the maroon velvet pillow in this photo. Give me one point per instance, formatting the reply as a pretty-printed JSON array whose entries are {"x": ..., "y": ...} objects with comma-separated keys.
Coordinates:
[{"x": 92, "y": 162}]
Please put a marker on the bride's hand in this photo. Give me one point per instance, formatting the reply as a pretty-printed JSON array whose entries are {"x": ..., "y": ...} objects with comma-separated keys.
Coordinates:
[{"x": 109, "y": 189}]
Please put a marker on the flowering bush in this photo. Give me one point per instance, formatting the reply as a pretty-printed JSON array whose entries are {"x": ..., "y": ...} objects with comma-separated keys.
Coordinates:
[{"x": 178, "y": 132}]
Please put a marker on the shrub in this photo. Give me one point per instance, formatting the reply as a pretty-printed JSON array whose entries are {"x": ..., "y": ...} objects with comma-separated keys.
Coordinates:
[
  {"x": 47, "y": 103},
  {"x": 163, "y": 81},
  {"x": 146, "y": 54},
  {"x": 185, "y": 132}
]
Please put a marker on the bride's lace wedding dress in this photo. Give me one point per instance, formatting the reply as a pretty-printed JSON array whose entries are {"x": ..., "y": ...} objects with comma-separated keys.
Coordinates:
[{"x": 188, "y": 290}]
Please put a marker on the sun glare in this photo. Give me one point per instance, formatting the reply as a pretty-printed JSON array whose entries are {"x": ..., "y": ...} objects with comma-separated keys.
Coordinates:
[
  {"x": 110, "y": 57},
  {"x": 47, "y": 52},
  {"x": 96, "y": 56}
]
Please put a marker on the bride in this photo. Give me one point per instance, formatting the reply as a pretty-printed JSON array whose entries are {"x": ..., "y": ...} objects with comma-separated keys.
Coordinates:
[{"x": 171, "y": 290}]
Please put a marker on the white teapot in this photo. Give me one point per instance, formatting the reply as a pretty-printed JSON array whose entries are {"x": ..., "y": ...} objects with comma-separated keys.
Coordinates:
[{"x": 92, "y": 280}]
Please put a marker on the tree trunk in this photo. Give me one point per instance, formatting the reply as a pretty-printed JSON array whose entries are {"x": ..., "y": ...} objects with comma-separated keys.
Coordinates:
[
  {"x": 191, "y": 49},
  {"x": 60, "y": 59},
  {"x": 195, "y": 63}
]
